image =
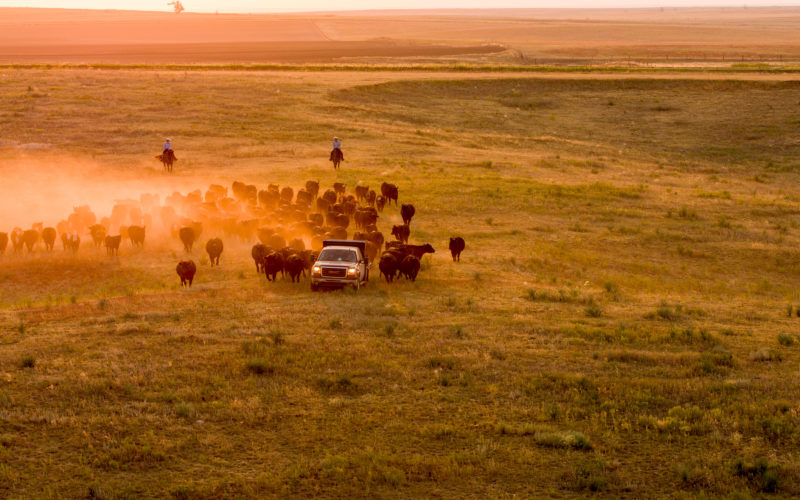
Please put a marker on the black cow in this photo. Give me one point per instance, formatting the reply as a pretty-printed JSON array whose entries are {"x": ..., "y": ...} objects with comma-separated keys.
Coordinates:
[
  {"x": 407, "y": 213},
  {"x": 112, "y": 244},
  {"x": 186, "y": 270},
  {"x": 187, "y": 236},
  {"x": 401, "y": 233},
  {"x": 214, "y": 249},
  {"x": 136, "y": 234},
  {"x": 409, "y": 267},
  {"x": 389, "y": 191},
  {"x": 388, "y": 266},
  {"x": 259, "y": 252},
  {"x": 457, "y": 246},
  {"x": 295, "y": 265},
  {"x": 419, "y": 250},
  {"x": 273, "y": 264}
]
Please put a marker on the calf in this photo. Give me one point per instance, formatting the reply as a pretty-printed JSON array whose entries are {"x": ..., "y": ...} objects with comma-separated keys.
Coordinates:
[
  {"x": 112, "y": 244},
  {"x": 409, "y": 267},
  {"x": 16, "y": 239},
  {"x": 187, "y": 236},
  {"x": 214, "y": 250},
  {"x": 136, "y": 234},
  {"x": 361, "y": 192},
  {"x": 401, "y": 233},
  {"x": 390, "y": 192},
  {"x": 98, "y": 233},
  {"x": 259, "y": 252},
  {"x": 49, "y": 238},
  {"x": 70, "y": 241},
  {"x": 407, "y": 212},
  {"x": 376, "y": 237},
  {"x": 186, "y": 270},
  {"x": 273, "y": 264},
  {"x": 313, "y": 188},
  {"x": 457, "y": 246},
  {"x": 388, "y": 266},
  {"x": 419, "y": 250},
  {"x": 295, "y": 265},
  {"x": 30, "y": 238},
  {"x": 330, "y": 196}
]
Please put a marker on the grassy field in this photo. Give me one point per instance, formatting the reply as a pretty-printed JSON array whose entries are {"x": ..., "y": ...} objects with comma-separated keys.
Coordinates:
[{"x": 624, "y": 321}]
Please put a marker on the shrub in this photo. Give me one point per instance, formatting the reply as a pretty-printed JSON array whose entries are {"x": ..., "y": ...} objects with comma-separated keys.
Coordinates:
[
  {"x": 257, "y": 347},
  {"x": 687, "y": 213},
  {"x": 27, "y": 361},
  {"x": 341, "y": 385},
  {"x": 668, "y": 313},
  {"x": 587, "y": 475},
  {"x": 457, "y": 332},
  {"x": 611, "y": 287},
  {"x": 497, "y": 354},
  {"x": 277, "y": 337},
  {"x": 185, "y": 410},
  {"x": 765, "y": 354},
  {"x": 716, "y": 362},
  {"x": 593, "y": 310},
  {"x": 785, "y": 339},
  {"x": 760, "y": 474},
  {"x": 260, "y": 367},
  {"x": 443, "y": 363},
  {"x": 566, "y": 439}
]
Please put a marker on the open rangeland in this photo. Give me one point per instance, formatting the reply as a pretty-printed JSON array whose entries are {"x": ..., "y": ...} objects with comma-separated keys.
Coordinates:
[{"x": 623, "y": 321}]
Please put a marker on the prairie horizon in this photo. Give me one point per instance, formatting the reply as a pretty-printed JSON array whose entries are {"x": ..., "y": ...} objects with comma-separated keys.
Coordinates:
[{"x": 521, "y": 36}]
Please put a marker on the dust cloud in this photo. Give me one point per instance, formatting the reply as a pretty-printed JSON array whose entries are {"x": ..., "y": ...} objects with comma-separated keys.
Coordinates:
[{"x": 46, "y": 191}]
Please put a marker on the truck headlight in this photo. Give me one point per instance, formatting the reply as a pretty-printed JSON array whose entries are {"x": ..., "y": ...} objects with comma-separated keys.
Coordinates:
[
  {"x": 351, "y": 272},
  {"x": 316, "y": 270}
]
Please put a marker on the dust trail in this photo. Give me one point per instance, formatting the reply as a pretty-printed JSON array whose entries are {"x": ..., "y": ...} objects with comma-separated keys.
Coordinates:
[{"x": 46, "y": 190}]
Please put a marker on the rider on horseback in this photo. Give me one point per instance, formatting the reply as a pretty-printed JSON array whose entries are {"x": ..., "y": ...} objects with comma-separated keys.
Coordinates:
[
  {"x": 167, "y": 156},
  {"x": 337, "y": 145}
]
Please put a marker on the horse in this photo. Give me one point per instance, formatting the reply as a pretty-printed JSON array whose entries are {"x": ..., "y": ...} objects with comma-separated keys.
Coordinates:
[
  {"x": 336, "y": 157},
  {"x": 167, "y": 159}
]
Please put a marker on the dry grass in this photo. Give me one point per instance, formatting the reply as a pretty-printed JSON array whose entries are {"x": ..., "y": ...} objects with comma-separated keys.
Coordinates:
[{"x": 611, "y": 328}]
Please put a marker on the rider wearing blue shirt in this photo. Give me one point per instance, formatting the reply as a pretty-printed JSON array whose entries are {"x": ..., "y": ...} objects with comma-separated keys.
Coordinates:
[{"x": 337, "y": 144}]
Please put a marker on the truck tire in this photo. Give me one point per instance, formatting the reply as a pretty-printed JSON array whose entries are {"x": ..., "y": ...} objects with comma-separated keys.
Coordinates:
[{"x": 314, "y": 287}]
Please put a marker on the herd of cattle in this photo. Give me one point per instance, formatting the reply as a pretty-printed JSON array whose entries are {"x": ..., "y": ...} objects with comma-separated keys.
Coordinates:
[{"x": 281, "y": 220}]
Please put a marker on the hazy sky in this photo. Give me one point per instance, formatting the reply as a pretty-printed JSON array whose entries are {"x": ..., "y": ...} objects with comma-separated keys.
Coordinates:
[{"x": 295, "y": 5}]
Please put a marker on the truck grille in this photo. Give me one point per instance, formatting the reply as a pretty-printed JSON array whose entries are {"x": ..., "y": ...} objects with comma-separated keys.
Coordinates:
[{"x": 334, "y": 272}]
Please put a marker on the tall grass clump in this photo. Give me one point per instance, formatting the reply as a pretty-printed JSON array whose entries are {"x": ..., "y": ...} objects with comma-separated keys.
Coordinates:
[{"x": 760, "y": 474}]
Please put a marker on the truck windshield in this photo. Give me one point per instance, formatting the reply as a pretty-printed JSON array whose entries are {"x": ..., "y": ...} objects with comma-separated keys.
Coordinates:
[{"x": 336, "y": 255}]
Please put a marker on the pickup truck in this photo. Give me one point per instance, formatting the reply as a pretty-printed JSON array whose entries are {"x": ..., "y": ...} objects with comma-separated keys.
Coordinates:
[{"x": 340, "y": 263}]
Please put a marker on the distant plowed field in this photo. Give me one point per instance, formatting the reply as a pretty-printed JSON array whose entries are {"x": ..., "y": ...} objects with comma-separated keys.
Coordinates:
[{"x": 231, "y": 52}]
